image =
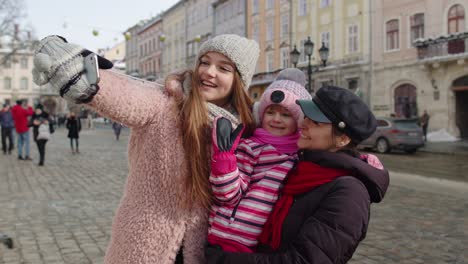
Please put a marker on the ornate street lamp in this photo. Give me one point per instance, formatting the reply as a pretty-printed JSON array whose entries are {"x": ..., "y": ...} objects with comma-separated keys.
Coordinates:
[
  {"x": 309, "y": 50},
  {"x": 294, "y": 55},
  {"x": 324, "y": 52}
]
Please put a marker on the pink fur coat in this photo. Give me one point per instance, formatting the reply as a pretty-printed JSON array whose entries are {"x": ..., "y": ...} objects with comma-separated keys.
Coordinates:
[{"x": 150, "y": 224}]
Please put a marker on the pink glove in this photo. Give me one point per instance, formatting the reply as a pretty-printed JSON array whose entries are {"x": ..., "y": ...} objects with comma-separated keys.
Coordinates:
[
  {"x": 373, "y": 161},
  {"x": 225, "y": 142}
]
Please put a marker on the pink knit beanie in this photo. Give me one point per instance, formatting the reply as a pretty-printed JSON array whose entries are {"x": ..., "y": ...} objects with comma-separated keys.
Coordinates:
[{"x": 284, "y": 93}]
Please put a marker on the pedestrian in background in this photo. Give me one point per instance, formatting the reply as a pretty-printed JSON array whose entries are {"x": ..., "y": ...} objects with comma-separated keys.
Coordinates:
[
  {"x": 424, "y": 121},
  {"x": 20, "y": 112},
  {"x": 117, "y": 127},
  {"x": 7, "y": 124},
  {"x": 42, "y": 128},
  {"x": 73, "y": 125}
]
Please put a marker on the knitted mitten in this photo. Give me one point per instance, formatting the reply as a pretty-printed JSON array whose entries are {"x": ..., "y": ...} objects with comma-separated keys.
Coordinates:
[
  {"x": 61, "y": 65},
  {"x": 225, "y": 142}
]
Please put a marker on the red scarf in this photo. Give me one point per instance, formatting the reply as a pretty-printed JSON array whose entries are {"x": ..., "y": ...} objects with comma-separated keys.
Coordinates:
[{"x": 304, "y": 178}]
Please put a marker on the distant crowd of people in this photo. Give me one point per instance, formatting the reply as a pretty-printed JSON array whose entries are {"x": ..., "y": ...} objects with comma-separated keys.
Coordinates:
[{"x": 20, "y": 118}]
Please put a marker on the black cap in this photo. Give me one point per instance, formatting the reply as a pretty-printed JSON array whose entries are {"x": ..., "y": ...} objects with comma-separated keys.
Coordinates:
[{"x": 342, "y": 108}]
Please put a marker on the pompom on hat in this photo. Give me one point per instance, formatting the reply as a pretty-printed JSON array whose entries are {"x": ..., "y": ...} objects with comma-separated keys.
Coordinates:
[
  {"x": 285, "y": 90},
  {"x": 241, "y": 51}
]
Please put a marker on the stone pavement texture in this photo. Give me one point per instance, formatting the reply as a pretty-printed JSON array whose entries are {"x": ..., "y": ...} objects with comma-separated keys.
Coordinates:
[
  {"x": 62, "y": 212},
  {"x": 459, "y": 147}
]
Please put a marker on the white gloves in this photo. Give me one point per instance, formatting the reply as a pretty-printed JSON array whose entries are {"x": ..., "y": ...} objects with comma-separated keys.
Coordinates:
[{"x": 61, "y": 64}]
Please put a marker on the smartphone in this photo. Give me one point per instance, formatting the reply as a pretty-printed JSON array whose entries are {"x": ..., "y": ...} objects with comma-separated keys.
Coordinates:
[{"x": 91, "y": 69}]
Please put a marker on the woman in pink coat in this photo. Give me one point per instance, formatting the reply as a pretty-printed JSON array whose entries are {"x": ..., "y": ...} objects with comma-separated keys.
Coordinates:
[{"x": 164, "y": 207}]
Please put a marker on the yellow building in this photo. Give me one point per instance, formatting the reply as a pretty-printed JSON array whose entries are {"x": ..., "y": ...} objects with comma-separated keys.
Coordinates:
[
  {"x": 341, "y": 26},
  {"x": 174, "y": 38},
  {"x": 268, "y": 22}
]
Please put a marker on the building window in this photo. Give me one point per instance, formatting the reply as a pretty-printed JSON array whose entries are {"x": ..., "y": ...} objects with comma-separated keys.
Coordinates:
[
  {"x": 325, "y": 3},
  {"x": 353, "y": 85},
  {"x": 456, "y": 19},
  {"x": 24, "y": 83},
  {"x": 285, "y": 25},
  {"x": 353, "y": 39},
  {"x": 7, "y": 83},
  {"x": 270, "y": 4},
  {"x": 256, "y": 32},
  {"x": 254, "y": 6},
  {"x": 417, "y": 27},
  {"x": 270, "y": 60},
  {"x": 325, "y": 39},
  {"x": 269, "y": 29},
  {"x": 284, "y": 58},
  {"x": 7, "y": 64},
  {"x": 302, "y": 7},
  {"x": 392, "y": 29},
  {"x": 24, "y": 63}
]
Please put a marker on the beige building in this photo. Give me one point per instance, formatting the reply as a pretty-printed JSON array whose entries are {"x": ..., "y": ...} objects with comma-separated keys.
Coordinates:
[
  {"x": 150, "y": 43},
  {"x": 131, "y": 50},
  {"x": 16, "y": 82},
  {"x": 174, "y": 38},
  {"x": 229, "y": 17},
  {"x": 420, "y": 61},
  {"x": 342, "y": 27},
  {"x": 199, "y": 26},
  {"x": 16, "y": 77},
  {"x": 269, "y": 23},
  {"x": 116, "y": 54}
]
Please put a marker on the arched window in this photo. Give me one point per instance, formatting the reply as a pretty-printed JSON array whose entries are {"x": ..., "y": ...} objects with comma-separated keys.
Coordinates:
[
  {"x": 456, "y": 19},
  {"x": 405, "y": 101},
  {"x": 392, "y": 29}
]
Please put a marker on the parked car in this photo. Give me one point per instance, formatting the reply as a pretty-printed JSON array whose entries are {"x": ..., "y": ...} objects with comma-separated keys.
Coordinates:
[{"x": 395, "y": 133}]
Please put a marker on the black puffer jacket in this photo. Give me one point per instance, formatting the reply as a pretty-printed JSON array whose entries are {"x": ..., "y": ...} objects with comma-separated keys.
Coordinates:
[{"x": 326, "y": 224}]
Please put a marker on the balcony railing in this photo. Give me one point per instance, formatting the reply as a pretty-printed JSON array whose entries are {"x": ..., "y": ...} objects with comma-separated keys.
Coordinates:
[{"x": 443, "y": 46}]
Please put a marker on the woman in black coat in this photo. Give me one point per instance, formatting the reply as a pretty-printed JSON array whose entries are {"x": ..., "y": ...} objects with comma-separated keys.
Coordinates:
[
  {"x": 73, "y": 124},
  {"x": 323, "y": 213},
  {"x": 40, "y": 117}
]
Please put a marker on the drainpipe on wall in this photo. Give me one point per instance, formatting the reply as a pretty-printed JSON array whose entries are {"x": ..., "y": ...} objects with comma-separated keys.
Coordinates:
[{"x": 371, "y": 62}]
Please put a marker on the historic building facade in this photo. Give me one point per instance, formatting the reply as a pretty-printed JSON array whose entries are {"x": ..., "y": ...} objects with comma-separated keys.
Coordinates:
[
  {"x": 420, "y": 61},
  {"x": 174, "y": 38},
  {"x": 150, "y": 41}
]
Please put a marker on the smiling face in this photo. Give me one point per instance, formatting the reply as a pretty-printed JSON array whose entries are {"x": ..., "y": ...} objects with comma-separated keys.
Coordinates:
[
  {"x": 278, "y": 121},
  {"x": 216, "y": 74},
  {"x": 315, "y": 136}
]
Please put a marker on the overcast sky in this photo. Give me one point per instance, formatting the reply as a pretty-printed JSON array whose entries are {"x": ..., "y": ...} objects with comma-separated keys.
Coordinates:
[{"x": 76, "y": 20}]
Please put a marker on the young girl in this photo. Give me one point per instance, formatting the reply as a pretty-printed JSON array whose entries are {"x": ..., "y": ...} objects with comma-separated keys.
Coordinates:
[
  {"x": 324, "y": 209},
  {"x": 245, "y": 184},
  {"x": 165, "y": 203}
]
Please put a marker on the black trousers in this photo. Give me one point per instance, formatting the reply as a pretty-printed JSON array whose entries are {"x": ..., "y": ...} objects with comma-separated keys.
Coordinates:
[
  {"x": 7, "y": 133},
  {"x": 76, "y": 143},
  {"x": 41, "y": 143}
]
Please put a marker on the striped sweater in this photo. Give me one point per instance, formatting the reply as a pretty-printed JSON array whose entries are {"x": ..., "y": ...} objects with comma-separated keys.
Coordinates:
[{"x": 245, "y": 197}]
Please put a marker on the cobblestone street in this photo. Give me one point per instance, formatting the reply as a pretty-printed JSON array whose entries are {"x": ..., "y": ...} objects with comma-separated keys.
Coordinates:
[{"x": 62, "y": 212}]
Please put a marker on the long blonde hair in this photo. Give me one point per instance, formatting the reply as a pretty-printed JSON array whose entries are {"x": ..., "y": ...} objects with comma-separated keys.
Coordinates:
[{"x": 196, "y": 135}]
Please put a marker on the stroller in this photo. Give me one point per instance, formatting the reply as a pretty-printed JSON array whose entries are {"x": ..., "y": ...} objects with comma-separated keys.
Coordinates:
[{"x": 6, "y": 240}]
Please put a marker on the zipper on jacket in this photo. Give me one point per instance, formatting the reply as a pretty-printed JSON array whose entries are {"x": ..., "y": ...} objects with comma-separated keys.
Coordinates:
[{"x": 232, "y": 218}]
